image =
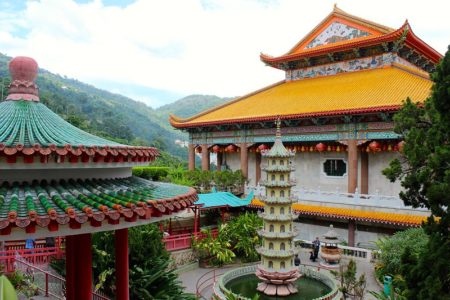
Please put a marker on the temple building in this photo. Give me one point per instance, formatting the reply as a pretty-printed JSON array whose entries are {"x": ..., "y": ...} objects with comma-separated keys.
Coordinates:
[
  {"x": 343, "y": 83},
  {"x": 57, "y": 180}
]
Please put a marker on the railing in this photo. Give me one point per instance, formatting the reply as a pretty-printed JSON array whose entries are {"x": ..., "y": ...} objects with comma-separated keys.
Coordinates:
[
  {"x": 39, "y": 243},
  {"x": 346, "y": 251},
  {"x": 207, "y": 280},
  {"x": 49, "y": 285},
  {"x": 338, "y": 197},
  {"x": 184, "y": 241},
  {"x": 35, "y": 256}
]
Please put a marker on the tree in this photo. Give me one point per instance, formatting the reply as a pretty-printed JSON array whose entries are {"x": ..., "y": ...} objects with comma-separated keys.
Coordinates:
[
  {"x": 350, "y": 286},
  {"x": 424, "y": 171}
]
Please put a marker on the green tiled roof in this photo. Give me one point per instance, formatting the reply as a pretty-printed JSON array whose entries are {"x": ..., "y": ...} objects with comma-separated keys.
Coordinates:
[
  {"x": 28, "y": 123},
  {"x": 80, "y": 200}
]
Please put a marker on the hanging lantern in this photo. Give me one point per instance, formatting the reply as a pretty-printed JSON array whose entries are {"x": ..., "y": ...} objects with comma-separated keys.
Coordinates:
[
  {"x": 321, "y": 147},
  {"x": 385, "y": 147},
  {"x": 231, "y": 148},
  {"x": 400, "y": 146},
  {"x": 263, "y": 147},
  {"x": 367, "y": 149},
  {"x": 302, "y": 149},
  {"x": 311, "y": 149},
  {"x": 216, "y": 148},
  {"x": 198, "y": 149},
  {"x": 338, "y": 149},
  {"x": 375, "y": 146},
  {"x": 389, "y": 148}
]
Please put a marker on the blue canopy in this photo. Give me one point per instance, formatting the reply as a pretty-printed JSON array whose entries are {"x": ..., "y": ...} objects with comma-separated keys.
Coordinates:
[{"x": 221, "y": 199}]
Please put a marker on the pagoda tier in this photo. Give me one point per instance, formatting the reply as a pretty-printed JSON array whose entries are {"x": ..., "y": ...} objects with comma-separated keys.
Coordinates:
[
  {"x": 95, "y": 202},
  {"x": 277, "y": 271},
  {"x": 32, "y": 133}
]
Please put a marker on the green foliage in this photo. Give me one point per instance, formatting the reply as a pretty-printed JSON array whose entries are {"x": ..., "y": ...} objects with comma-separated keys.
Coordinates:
[
  {"x": 215, "y": 250},
  {"x": 241, "y": 231},
  {"x": 424, "y": 171},
  {"x": 231, "y": 296},
  {"x": 153, "y": 173},
  {"x": 23, "y": 283},
  {"x": 392, "y": 249},
  {"x": 350, "y": 286},
  {"x": 59, "y": 265},
  {"x": 150, "y": 277}
]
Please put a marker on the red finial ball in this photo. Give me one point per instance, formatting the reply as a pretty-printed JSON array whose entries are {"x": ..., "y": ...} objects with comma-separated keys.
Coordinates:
[
  {"x": 321, "y": 147},
  {"x": 23, "y": 68}
]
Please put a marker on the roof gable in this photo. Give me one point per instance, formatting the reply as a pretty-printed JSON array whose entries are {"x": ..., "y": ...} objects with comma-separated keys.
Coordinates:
[{"x": 339, "y": 26}]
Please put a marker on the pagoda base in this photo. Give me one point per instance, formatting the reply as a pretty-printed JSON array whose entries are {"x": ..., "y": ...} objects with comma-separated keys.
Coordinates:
[{"x": 277, "y": 283}]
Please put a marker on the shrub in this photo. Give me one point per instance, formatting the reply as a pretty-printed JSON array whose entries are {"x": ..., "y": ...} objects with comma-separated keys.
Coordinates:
[{"x": 152, "y": 173}]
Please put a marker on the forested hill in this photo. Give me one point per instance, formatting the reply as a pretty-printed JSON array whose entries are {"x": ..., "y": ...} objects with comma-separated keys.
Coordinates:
[
  {"x": 106, "y": 114},
  {"x": 190, "y": 105}
]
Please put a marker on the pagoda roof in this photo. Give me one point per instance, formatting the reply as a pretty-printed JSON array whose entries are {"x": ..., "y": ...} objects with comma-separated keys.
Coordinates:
[
  {"x": 358, "y": 92},
  {"x": 72, "y": 203},
  {"x": 221, "y": 199},
  {"x": 354, "y": 214},
  {"x": 324, "y": 39},
  {"x": 28, "y": 127}
]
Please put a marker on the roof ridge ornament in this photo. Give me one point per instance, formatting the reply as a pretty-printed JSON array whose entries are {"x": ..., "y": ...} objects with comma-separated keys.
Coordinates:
[{"x": 23, "y": 71}]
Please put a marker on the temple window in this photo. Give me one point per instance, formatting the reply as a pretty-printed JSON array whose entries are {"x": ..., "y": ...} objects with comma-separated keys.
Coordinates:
[
  {"x": 282, "y": 228},
  {"x": 290, "y": 210},
  {"x": 282, "y": 246},
  {"x": 282, "y": 211},
  {"x": 281, "y": 162},
  {"x": 270, "y": 264},
  {"x": 281, "y": 177},
  {"x": 272, "y": 210},
  {"x": 335, "y": 167},
  {"x": 273, "y": 162},
  {"x": 290, "y": 227},
  {"x": 272, "y": 193},
  {"x": 282, "y": 265},
  {"x": 281, "y": 193},
  {"x": 271, "y": 228},
  {"x": 273, "y": 177},
  {"x": 270, "y": 246}
]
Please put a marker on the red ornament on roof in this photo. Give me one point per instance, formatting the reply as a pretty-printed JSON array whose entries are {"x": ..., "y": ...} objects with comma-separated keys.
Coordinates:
[
  {"x": 375, "y": 146},
  {"x": 216, "y": 148},
  {"x": 23, "y": 71}
]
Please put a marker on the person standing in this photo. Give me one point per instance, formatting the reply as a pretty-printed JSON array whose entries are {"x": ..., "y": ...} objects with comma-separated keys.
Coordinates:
[
  {"x": 316, "y": 248},
  {"x": 297, "y": 260}
]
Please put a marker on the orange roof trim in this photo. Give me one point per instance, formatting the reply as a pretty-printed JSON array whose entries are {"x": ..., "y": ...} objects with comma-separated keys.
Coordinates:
[{"x": 354, "y": 214}]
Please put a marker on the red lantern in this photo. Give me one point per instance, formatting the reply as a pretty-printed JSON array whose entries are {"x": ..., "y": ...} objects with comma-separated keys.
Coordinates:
[
  {"x": 375, "y": 146},
  {"x": 231, "y": 148},
  {"x": 216, "y": 148},
  {"x": 321, "y": 147},
  {"x": 263, "y": 147},
  {"x": 198, "y": 149},
  {"x": 400, "y": 146}
]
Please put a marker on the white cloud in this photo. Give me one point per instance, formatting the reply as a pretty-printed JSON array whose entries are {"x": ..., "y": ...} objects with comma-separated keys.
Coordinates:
[{"x": 191, "y": 46}]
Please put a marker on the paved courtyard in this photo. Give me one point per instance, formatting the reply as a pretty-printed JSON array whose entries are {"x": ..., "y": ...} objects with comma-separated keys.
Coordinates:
[{"x": 189, "y": 279}]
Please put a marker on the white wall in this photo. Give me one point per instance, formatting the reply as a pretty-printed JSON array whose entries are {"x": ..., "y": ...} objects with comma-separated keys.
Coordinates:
[{"x": 377, "y": 181}]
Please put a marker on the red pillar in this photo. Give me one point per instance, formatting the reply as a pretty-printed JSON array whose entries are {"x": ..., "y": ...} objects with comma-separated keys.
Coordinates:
[
  {"x": 70, "y": 267},
  {"x": 219, "y": 161},
  {"x": 364, "y": 173},
  {"x": 121, "y": 245},
  {"x": 205, "y": 157},
  {"x": 352, "y": 166},
  {"x": 191, "y": 157},
  {"x": 244, "y": 159},
  {"x": 257, "y": 167},
  {"x": 83, "y": 267},
  {"x": 351, "y": 232},
  {"x": 195, "y": 220}
]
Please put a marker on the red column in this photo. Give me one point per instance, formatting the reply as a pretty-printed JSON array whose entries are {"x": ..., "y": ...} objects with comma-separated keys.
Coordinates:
[
  {"x": 257, "y": 167},
  {"x": 352, "y": 166},
  {"x": 219, "y": 161},
  {"x": 351, "y": 232},
  {"x": 244, "y": 159},
  {"x": 70, "y": 267},
  {"x": 191, "y": 157},
  {"x": 83, "y": 267},
  {"x": 121, "y": 245},
  {"x": 364, "y": 173},
  {"x": 195, "y": 220},
  {"x": 205, "y": 157}
]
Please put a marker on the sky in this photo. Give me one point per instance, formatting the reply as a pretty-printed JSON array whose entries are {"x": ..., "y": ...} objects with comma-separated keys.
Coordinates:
[{"x": 160, "y": 51}]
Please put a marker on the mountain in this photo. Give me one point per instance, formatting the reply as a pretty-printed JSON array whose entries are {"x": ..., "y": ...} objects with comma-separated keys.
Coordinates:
[
  {"x": 112, "y": 115},
  {"x": 190, "y": 105}
]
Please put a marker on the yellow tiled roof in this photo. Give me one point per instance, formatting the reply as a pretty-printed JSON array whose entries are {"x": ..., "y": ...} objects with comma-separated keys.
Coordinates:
[
  {"x": 355, "y": 214},
  {"x": 353, "y": 92}
]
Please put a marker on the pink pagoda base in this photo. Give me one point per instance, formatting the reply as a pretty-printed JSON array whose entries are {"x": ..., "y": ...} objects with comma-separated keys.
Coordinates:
[{"x": 277, "y": 283}]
